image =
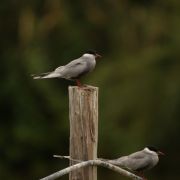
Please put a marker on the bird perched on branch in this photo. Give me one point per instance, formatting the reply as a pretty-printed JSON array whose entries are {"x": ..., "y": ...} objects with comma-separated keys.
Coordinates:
[
  {"x": 139, "y": 161},
  {"x": 73, "y": 70}
]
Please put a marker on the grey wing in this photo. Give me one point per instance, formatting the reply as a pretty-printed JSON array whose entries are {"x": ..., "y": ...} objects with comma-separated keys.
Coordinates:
[
  {"x": 59, "y": 69},
  {"x": 74, "y": 62},
  {"x": 136, "y": 161},
  {"x": 120, "y": 161},
  {"x": 73, "y": 69}
]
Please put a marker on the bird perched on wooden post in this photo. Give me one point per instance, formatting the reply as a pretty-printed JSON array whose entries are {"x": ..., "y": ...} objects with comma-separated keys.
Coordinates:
[
  {"x": 73, "y": 70},
  {"x": 139, "y": 161}
]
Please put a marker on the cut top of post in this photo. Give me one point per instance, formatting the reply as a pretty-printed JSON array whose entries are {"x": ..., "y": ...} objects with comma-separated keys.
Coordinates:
[
  {"x": 84, "y": 88},
  {"x": 83, "y": 114}
]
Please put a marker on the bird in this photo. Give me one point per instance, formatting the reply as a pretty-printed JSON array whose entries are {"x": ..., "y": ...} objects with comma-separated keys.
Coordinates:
[
  {"x": 139, "y": 161},
  {"x": 74, "y": 69}
]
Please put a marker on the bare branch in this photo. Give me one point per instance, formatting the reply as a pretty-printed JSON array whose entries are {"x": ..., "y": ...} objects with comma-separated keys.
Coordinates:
[
  {"x": 67, "y": 157},
  {"x": 92, "y": 163}
]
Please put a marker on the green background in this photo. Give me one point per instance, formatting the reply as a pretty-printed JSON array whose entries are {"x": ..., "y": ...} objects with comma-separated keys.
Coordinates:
[{"x": 138, "y": 79}]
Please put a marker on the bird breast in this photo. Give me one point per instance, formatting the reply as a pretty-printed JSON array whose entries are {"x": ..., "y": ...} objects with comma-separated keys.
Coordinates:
[{"x": 91, "y": 64}]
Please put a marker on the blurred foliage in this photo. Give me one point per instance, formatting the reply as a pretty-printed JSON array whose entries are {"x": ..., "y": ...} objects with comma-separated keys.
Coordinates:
[{"x": 138, "y": 77}]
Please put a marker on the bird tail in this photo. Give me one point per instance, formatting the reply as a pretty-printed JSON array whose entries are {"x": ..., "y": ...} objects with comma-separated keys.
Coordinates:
[
  {"x": 45, "y": 75},
  {"x": 53, "y": 74}
]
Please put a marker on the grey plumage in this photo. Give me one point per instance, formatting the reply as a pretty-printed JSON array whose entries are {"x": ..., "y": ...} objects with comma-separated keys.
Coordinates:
[
  {"x": 73, "y": 70},
  {"x": 138, "y": 161}
]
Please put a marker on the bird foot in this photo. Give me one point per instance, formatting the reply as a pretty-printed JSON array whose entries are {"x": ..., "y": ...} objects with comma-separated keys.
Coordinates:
[
  {"x": 141, "y": 175},
  {"x": 79, "y": 84}
]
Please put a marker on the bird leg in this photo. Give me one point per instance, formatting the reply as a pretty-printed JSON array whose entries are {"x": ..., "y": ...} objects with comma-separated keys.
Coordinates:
[
  {"x": 141, "y": 175},
  {"x": 78, "y": 83}
]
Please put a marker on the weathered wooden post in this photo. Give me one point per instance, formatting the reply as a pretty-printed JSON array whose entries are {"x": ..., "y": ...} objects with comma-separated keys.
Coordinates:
[{"x": 83, "y": 113}]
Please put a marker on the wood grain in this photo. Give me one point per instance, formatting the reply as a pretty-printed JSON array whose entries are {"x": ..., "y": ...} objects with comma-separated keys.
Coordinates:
[{"x": 83, "y": 113}]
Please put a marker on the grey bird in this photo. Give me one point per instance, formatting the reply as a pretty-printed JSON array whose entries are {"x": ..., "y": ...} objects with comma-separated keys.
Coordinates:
[
  {"x": 139, "y": 161},
  {"x": 73, "y": 70}
]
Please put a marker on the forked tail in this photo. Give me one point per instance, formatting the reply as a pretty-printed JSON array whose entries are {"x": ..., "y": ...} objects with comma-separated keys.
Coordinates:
[{"x": 45, "y": 75}]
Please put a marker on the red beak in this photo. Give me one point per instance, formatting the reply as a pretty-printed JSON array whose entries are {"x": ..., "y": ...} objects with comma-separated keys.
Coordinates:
[
  {"x": 98, "y": 56},
  {"x": 160, "y": 153}
]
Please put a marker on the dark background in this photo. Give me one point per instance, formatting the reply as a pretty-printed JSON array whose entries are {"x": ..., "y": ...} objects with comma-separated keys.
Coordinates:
[{"x": 138, "y": 79}]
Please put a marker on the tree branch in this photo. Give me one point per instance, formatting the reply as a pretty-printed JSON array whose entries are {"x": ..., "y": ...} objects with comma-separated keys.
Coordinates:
[
  {"x": 92, "y": 163},
  {"x": 67, "y": 157}
]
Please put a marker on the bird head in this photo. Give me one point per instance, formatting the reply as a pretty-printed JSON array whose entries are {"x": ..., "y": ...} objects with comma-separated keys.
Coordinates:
[
  {"x": 94, "y": 53},
  {"x": 156, "y": 150}
]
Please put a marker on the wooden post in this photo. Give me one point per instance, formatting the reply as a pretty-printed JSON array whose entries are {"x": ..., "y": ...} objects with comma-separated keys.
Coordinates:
[{"x": 83, "y": 113}]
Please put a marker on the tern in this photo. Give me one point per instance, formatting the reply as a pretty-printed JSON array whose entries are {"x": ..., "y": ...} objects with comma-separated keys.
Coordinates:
[
  {"x": 139, "y": 161},
  {"x": 74, "y": 69}
]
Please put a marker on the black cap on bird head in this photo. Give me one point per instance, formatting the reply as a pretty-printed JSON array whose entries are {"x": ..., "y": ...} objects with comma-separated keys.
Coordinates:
[
  {"x": 152, "y": 148},
  {"x": 93, "y": 52}
]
